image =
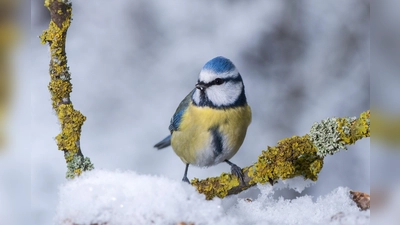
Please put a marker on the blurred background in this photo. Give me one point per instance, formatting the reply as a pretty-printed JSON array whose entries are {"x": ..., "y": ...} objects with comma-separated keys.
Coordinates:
[
  {"x": 385, "y": 83},
  {"x": 132, "y": 62},
  {"x": 15, "y": 141}
]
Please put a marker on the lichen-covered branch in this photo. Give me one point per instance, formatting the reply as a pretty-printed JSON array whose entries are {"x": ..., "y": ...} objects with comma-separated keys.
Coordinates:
[
  {"x": 291, "y": 157},
  {"x": 60, "y": 88}
]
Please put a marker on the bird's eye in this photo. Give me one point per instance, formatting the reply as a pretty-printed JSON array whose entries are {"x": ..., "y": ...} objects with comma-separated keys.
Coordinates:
[{"x": 218, "y": 81}]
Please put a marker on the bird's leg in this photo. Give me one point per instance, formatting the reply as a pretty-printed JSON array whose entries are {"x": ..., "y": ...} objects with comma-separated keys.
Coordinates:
[
  {"x": 185, "y": 179},
  {"x": 236, "y": 171}
]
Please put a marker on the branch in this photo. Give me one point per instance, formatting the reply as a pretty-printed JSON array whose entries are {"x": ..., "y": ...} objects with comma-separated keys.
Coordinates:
[
  {"x": 291, "y": 157},
  {"x": 60, "y": 88}
]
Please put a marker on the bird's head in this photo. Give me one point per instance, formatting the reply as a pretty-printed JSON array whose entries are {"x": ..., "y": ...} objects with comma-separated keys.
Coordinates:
[{"x": 220, "y": 85}]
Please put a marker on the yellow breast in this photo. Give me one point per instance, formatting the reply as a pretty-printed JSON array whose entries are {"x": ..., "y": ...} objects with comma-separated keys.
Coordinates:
[{"x": 192, "y": 142}]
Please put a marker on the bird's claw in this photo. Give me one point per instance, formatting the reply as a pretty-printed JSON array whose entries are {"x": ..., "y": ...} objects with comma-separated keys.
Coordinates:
[{"x": 237, "y": 171}]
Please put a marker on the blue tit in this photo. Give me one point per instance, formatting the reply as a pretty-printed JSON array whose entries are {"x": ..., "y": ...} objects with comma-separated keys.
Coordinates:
[{"x": 210, "y": 123}]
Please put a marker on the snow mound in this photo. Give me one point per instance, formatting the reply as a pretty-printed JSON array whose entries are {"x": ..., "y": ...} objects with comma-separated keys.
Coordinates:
[{"x": 105, "y": 197}]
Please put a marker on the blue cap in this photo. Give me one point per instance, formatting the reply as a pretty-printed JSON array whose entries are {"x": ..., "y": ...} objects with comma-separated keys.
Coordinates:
[{"x": 219, "y": 65}]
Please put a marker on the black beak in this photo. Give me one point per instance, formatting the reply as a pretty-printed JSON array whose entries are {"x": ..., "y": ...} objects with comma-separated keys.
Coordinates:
[{"x": 201, "y": 86}]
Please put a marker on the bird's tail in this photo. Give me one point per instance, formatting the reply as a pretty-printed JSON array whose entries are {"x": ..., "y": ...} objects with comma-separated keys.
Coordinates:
[{"x": 164, "y": 143}]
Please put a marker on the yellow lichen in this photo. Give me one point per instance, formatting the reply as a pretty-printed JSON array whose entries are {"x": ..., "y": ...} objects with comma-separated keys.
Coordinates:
[
  {"x": 352, "y": 130},
  {"x": 216, "y": 186},
  {"x": 78, "y": 172},
  {"x": 291, "y": 157},
  {"x": 59, "y": 90},
  {"x": 71, "y": 122},
  {"x": 362, "y": 125},
  {"x": 47, "y": 3}
]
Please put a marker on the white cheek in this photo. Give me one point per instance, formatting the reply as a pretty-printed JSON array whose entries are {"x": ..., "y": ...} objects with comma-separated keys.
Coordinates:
[{"x": 224, "y": 94}]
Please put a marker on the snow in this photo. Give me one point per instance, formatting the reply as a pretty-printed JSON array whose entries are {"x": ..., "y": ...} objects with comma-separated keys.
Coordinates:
[
  {"x": 128, "y": 198},
  {"x": 302, "y": 210},
  {"x": 125, "y": 197},
  {"x": 297, "y": 183}
]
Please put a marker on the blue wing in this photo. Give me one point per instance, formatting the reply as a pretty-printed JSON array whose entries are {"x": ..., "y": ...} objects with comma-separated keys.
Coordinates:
[{"x": 175, "y": 120}]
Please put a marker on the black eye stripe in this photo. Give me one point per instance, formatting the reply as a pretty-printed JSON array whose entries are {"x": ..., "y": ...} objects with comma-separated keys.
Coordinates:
[
  {"x": 217, "y": 81},
  {"x": 222, "y": 80}
]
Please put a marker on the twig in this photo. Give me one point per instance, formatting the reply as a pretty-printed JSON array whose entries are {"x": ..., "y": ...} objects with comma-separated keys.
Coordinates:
[{"x": 60, "y": 88}]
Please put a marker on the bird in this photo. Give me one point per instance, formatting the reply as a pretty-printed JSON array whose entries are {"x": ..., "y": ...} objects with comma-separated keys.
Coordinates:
[{"x": 210, "y": 124}]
